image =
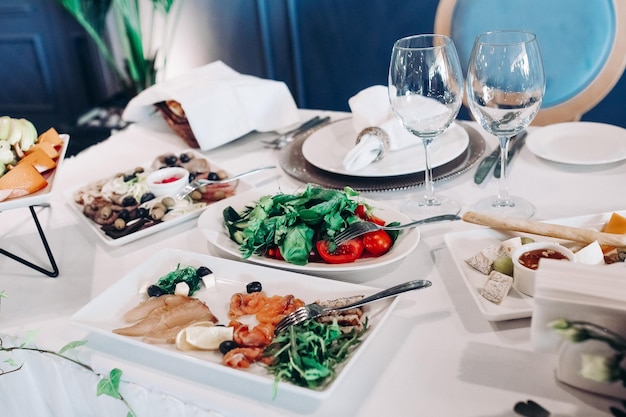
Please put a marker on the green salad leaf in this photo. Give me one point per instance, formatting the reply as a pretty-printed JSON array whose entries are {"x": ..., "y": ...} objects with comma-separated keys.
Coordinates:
[
  {"x": 308, "y": 354},
  {"x": 292, "y": 222},
  {"x": 187, "y": 274}
]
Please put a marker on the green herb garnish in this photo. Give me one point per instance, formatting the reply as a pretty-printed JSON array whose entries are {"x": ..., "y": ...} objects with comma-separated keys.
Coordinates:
[
  {"x": 308, "y": 354},
  {"x": 188, "y": 274}
]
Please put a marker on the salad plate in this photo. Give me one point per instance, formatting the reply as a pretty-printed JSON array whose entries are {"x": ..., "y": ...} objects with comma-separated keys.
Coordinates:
[
  {"x": 104, "y": 313},
  {"x": 327, "y": 147},
  {"x": 516, "y": 305},
  {"x": 43, "y": 195},
  {"x": 579, "y": 143},
  {"x": 211, "y": 224},
  {"x": 178, "y": 216}
]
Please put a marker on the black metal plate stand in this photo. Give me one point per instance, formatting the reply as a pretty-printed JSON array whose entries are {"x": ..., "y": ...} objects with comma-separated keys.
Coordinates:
[{"x": 55, "y": 270}]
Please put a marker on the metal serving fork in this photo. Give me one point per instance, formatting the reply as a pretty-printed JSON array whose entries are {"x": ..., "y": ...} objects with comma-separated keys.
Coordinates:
[
  {"x": 195, "y": 184},
  {"x": 360, "y": 228},
  {"x": 283, "y": 139},
  {"x": 311, "y": 311}
]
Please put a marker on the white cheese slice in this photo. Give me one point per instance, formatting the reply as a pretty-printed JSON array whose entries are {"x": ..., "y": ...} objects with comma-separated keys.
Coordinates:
[
  {"x": 182, "y": 288},
  {"x": 496, "y": 287},
  {"x": 508, "y": 246},
  {"x": 483, "y": 260},
  {"x": 590, "y": 254}
]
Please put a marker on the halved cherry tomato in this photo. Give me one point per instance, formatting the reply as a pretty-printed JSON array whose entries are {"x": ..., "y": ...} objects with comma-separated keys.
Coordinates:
[
  {"x": 274, "y": 253},
  {"x": 344, "y": 253},
  {"x": 361, "y": 211},
  {"x": 377, "y": 243}
]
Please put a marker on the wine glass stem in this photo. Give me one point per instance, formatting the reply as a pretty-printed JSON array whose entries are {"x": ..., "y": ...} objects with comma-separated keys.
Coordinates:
[
  {"x": 429, "y": 186},
  {"x": 503, "y": 191}
]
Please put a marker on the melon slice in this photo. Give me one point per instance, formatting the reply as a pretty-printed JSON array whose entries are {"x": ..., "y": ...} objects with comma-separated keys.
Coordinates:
[
  {"x": 40, "y": 160},
  {"x": 51, "y": 136},
  {"x": 47, "y": 147},
  {"x": 23, "y": 179},
  {"x": 616, "y": 224}
]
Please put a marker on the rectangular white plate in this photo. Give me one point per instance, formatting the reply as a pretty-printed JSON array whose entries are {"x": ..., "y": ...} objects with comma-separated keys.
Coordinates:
[
  {"x": 78, "y": 209},
  {"x": 463, "y": 245},
  {"x": 104, "y": 313},
  {"x": 44, "y": 194}
]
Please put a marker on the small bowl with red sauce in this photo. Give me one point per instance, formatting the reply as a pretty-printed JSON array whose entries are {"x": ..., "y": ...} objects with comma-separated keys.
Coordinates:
[
  {"x": 167, "y": 181},
  {"x": 527, "y": 259}
]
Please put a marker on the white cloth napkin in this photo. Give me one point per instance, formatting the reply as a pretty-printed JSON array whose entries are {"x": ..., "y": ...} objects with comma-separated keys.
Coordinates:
[{"x": 220, "y": 104}]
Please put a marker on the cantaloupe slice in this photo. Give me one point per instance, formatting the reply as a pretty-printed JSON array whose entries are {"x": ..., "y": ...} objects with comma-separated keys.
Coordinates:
[
  {"x": 23, "y": 179},
  {"x": 47, "y": 147},
  {"x": 40, "y": 160},
  {"x": 51, "y": 136},
  {"x": 616, "y": 224}
]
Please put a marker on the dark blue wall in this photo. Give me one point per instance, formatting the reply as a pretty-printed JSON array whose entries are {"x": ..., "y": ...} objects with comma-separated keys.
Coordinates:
[{"x": 328, "y": 50}]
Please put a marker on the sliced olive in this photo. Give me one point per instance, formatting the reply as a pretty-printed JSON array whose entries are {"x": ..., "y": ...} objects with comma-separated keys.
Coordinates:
[
  {"x": 143, "y": 212},
  {"x": 155, "y": 291},
  {"x": 185, "y": 157},
  {"x": 129, "y": 200},
  {"x": 170, "y": 160},
  {"x": 124, "y": 214},
  {"x": 147, "y": 197},
  {"x": 254, "y": 286},
  {"x": 213, "y": 176},
  {"x": 202, "y": 271},
  {"x": 227, "y": 345}
]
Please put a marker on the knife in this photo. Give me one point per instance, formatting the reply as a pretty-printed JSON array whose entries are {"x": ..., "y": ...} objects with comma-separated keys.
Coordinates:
[
  {"x": 515, "y": 146},
  {"x": 485, "y": 166}
]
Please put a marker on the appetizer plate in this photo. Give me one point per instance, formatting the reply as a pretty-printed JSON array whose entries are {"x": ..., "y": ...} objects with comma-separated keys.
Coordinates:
[
  {"x": 44, "y": 194},
  {"x": 579, "y": 143},
  {"x": 104, "y": 313},
  {"x": 463, "y": 245},
  {"x": 327, "y": 147},
  {"x": 96, "y": 228},
  {"x": 211, "y": 223}
]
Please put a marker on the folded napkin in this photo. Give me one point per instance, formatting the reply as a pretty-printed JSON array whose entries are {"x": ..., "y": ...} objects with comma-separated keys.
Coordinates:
[
  {"x": 370, "y": 108},
  {"x": 220, "y": 104}
]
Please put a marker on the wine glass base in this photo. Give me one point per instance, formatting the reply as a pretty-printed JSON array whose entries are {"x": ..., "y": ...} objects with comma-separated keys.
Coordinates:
[
  {"x": 420, "y": 208},
  {"x": 511, "y": 207}
]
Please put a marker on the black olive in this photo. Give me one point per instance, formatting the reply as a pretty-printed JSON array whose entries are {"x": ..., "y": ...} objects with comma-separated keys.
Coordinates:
[
  {"x": 143, "y": 212},
  {"x": 228, "y": 345},
  {"x": 213, "y": 176},
  {"x": 147, "y": 197},
  {"x": 129, "y": 201},
  {"x": 129, "y": 177},
  {"x": 202, "y": 271},
  {"x": 124, "y": 214},
  {"x": 155, "y": 291},
  {"x": 184, "y": 157},
  {"x": 192, "y": 176},
  {"x": 254, "y": 286},
  {"x": 170, "y": 160}
]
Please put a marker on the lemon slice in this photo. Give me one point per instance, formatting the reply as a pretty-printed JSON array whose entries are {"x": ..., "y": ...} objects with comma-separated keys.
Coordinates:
[{"x": 203, "y": 336}]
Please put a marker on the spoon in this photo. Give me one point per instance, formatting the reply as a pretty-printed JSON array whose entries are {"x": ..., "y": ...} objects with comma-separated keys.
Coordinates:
[{"x": 195, "y": 184}]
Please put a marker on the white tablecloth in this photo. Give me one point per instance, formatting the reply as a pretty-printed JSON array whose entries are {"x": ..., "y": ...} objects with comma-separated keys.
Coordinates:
[{"x": 436, "y": 357}]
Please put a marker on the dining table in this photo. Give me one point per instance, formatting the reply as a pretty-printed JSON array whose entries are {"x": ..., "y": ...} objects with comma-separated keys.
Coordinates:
[{"x": 436, "y": 354}]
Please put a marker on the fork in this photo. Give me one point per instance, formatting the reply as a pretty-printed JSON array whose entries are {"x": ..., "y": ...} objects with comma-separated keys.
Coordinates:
[
  {"x": 195, "y": 184},
  {"x": 313, "y": 310},
  {"x": 283, "y": 139},
  {"x": 360, "y": 228}
]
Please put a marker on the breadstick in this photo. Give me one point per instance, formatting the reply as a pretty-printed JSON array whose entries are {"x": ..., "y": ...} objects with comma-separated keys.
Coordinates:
[{"x": 575, "y": 234}]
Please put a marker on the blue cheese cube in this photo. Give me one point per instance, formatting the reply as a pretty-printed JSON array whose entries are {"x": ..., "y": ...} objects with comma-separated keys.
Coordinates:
[{"x": 496, "y": 287}]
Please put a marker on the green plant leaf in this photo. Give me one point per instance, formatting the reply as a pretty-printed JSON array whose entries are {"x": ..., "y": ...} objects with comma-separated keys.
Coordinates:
[
  {"x": 11, "y": 362},
  {"x": 72, "y": 345},
  {"x": 110, "y": 386}
]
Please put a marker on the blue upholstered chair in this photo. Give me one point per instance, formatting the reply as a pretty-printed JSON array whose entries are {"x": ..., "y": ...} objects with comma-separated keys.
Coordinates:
[{"x": 583, "y": 44}]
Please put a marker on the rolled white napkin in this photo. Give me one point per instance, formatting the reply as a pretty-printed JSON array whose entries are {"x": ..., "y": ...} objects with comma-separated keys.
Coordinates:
[{"x": 220, "y": 104}]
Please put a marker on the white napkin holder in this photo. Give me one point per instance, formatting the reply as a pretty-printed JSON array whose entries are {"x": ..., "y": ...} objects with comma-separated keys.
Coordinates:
[
  {"x": 220, "y": 104},
  {"x": 578, "y": 292}
]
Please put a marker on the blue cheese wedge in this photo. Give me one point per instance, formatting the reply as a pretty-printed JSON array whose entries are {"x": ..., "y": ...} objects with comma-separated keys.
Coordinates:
[
  {"x": 496, "y": 287},
  {"x": 483, "y": 260}
]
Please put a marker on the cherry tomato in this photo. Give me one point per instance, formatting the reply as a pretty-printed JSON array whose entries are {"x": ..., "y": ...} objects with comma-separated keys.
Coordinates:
[
  {"x": 274, "y": 253},
  {"x": 377, "y": 243},
  {"x": 361, "y": 211},
  {"x": 344, "y": 253}
]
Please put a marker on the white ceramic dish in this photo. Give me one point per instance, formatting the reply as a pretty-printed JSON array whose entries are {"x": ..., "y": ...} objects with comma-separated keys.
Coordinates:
[
  {"x": 211, "y": 224},
  {"x": 44, "y": 194},
  {"x": 463, "y": 245},
  {"x": 104, "y": 313},
  {"x": 579, "y": 143},
  {"x": 327, "y": 148},
  {"x": 78, "y": 209}
]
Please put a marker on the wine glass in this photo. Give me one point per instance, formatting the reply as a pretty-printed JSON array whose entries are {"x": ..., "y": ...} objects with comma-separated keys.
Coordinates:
[
  {"x": 505, "y": 87},
  {"x": 426, "y": 93}
]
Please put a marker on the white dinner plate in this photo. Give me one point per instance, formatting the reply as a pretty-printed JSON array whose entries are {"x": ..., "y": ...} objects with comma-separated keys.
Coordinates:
[
  {"x": 211, "y": 224},
  {"x": 463, "y": 245},
  {"x": 327, "y": 147},
  {"x": 97, "y": 229},
  {"x": 104, "y": 313},
  {"x": 45, "y": 193},
  {"x": 579, "y": 143}
]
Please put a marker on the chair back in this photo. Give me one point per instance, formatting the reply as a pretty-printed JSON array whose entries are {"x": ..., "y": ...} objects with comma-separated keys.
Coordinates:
[{"x": 583, "y": 44}]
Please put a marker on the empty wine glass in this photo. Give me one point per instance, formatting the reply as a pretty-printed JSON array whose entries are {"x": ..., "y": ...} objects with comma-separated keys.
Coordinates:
[
  {"x": 426, "y": 93},
  {"x": 505, "y": 87}
]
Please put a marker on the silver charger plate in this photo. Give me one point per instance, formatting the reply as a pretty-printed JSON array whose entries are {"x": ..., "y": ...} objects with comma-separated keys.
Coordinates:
[{"x": 293, "y": 162}]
